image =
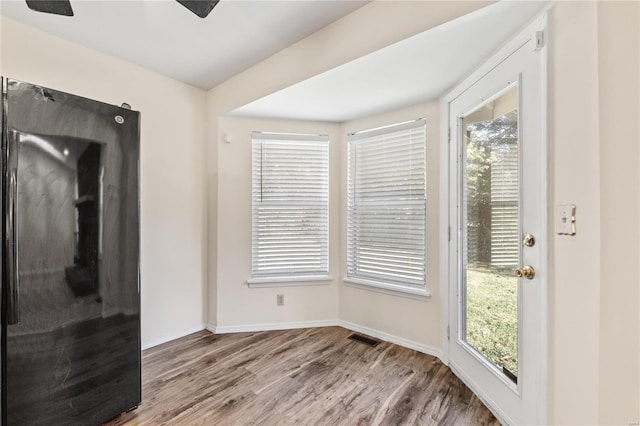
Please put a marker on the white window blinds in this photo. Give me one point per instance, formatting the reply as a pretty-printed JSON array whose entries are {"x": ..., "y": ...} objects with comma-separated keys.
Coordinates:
[
  {"x": 290, "y": 205},
  {"x": 386, "y": 228}
]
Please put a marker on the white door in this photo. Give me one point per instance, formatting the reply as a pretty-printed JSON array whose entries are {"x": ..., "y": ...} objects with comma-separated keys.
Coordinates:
[{"x": 497, "y": 184}]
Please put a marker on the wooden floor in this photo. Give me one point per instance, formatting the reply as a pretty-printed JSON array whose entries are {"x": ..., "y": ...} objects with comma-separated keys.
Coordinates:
[{"x": 305, "y": 376}]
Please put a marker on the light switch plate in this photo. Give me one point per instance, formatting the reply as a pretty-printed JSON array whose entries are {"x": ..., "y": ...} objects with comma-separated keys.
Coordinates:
[{"x": 566, "y": 219}]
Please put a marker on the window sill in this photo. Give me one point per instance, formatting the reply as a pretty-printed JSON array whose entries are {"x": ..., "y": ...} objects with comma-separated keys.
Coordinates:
[
  {"x": 289, "y": 281},
  {"x": 387, "y": 288}
]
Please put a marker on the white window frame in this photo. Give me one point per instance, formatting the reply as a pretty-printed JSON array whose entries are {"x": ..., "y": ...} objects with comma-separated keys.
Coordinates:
[
  {"x": 296, "y": 183},
  {"x": 411, "y": 136}
]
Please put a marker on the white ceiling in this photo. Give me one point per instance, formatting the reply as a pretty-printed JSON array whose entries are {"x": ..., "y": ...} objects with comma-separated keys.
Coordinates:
[
  {"x": 163, "y": 36},
  {"x": 419, "y": 68}
]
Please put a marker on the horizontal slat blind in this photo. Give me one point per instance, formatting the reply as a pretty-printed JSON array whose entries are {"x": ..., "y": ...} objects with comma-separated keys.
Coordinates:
[
  {"x": 505, "y": 240},
  {"x": 386, "y": 228},
  {"x": 290, "y": 190}
]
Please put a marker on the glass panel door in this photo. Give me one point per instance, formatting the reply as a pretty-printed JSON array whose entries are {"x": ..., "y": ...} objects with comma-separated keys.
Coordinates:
[
  {"x": 497, "y": 331},
  {"x": 491, "y": 230}
]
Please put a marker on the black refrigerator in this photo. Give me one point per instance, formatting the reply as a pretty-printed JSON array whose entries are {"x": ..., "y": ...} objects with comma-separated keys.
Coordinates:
[{"x": 70, "y": 258}]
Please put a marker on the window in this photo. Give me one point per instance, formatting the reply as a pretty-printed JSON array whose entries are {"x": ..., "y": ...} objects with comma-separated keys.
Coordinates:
[
  {"x": 290, "y": 189},
  {"x": 386, "y": 228}
]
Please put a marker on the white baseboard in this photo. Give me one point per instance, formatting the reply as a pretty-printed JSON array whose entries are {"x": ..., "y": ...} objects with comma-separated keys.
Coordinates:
[
  {"x": 410, "y": 344},
  {"x": 391, "y": 338},
  {"x": 165, "y": 339},
  {"x": 222, "y": 329}
]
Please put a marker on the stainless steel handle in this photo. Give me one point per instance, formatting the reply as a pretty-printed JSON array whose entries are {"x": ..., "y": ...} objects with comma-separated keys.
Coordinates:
[{"x": 11, "y": 243}]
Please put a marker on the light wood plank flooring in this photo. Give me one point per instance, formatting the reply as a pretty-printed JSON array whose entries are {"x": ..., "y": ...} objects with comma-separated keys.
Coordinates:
[{"x": 305, "y": 376}]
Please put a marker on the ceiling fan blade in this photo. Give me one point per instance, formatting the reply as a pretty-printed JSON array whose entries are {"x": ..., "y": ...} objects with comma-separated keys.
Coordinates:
[
  {"x": 202, "y": 8},
  {"x": 56, "y": 7}
]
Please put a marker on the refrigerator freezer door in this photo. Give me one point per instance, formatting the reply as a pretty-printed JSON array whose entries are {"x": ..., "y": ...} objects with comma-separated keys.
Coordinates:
[{"x": 72, "y": 333}]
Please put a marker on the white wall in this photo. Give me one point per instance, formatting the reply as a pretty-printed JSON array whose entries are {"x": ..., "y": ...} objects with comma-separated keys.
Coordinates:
[
  {"x": 240, "y": 307},
  {"x": 594, "y": 300},
  {"x": 619, "y": 116},
  {"x": 412, "y": 321},
  {"x": 172, "y": 165},
  {"x": 574, "y": 283}
]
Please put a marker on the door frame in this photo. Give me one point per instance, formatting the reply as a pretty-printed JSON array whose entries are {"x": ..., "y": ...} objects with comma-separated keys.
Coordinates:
[{"x": 448, "y": 200}]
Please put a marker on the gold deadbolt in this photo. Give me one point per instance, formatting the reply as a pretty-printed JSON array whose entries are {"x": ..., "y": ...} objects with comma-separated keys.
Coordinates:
[
  {"x": 529, "y": 240},
  {"x": 526, "y": 272}
]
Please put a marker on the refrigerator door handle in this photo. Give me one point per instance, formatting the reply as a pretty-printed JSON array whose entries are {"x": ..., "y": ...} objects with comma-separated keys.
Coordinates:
[{"x": 11, "y": 244}]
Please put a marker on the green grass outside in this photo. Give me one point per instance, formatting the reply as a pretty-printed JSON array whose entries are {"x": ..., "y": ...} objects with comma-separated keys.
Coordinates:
[{"x": 492, "y": 314}]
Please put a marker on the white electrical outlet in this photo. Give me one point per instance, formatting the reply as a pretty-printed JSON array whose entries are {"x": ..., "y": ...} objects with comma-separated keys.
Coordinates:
[{"x": 280, "y": 300}]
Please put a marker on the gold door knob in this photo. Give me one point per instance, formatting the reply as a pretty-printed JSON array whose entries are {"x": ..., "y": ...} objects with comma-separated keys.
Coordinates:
[{"x": 526, "y": 272}]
